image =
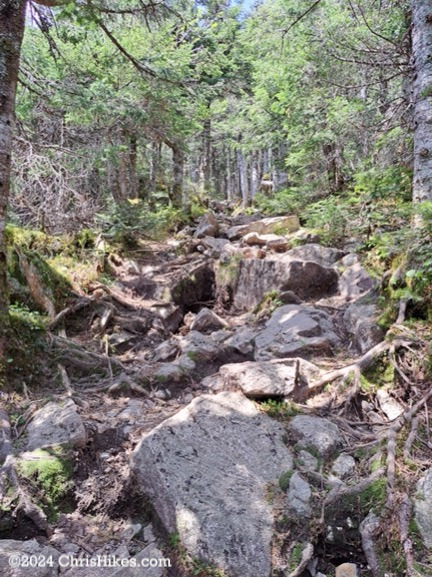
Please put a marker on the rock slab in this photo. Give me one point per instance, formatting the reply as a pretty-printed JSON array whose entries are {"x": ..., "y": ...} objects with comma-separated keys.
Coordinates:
[
  {"x": 423, "y": 508},
  {"x": 206, "y": 470},
  {"x": 266, "y": 379},
  {"x": 254, "y": 278},
  {"x": 295, "y": 328},
  {"x": 56, "y": 424},
  {"x": 10, "y": 549}
]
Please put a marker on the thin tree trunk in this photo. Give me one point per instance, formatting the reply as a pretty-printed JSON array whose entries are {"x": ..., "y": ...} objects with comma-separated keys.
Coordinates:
[
  {"x": 254, "y": 174},
  {"x": 178, "y": 176},
  {"x": 12, "y": 22},
  {"x": 244, "y": 185},
  {"x": 133, "y": 174},
  {"x": 228, "y": 187},
  {"x": 421, "y": 53}
]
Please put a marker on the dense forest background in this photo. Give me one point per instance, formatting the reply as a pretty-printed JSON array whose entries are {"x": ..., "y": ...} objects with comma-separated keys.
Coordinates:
[
  {"x": 133, "y": 116},
  {"x": 283, "y": 103}
]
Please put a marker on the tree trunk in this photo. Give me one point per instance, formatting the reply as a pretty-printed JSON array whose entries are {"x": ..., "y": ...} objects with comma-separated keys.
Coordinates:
[
  {"x": 244, "y": 185},
  {"x": 421, "y": 54},
  {"x": 12, "y": 22},
  {"x": 178, "y": 175}
]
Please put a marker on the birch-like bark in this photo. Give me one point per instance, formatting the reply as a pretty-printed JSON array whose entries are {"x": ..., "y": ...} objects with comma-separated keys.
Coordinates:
[
  {"x": 422, "y": 61},
  {"x": 12, "y": 22}
]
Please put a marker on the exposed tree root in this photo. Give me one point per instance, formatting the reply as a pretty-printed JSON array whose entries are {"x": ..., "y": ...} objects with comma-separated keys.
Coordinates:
[
  {"x": 368, "y": 531},
  {"x": 79, "y": 305},
  {"x": 306, "y": 556},
  {"x": 356, "y": 368}
]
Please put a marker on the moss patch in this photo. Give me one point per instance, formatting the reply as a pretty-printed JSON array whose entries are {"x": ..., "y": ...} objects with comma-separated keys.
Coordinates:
[{"x": 48, "y": 472}]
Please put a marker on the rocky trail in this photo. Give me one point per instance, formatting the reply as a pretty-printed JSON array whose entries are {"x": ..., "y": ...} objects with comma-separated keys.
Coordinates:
[{"x": 230, "y": 404}]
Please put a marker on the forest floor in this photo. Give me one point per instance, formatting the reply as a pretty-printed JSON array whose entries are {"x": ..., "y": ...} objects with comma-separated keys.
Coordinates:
[{"x": 117, "y": 350}]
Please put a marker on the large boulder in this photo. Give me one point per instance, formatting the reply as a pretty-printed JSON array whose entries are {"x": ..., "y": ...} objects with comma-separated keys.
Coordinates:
[
  {"x": 252, "y": 279},
  {"x": 206, "y": 471},
  {"x": 271, "y": 225},
  {"x": 423, "y": 508},
  {"x": 355, "y": 281},
  {"x": 56, "y": 424},
  {"x": 360, "y": 321},
  {"x": 207, "y": 226},
  {"x": 268, "y": 379},
  {"x": 323, "y": 255},
  {"x": 14, "y": 552},
  {"x": 295, "y": 329}
]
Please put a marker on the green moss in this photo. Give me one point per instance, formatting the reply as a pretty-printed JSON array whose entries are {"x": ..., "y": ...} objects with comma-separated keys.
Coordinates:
[
  {"x": 284, "y": 480},
  {"x": 226, "y": 272},
  {"x": 279, "y": 409},
  {"x": 374, "y": 497},
  {"x": 295, "y": 556},
  {"x": 380, "y": 374},
  {"x": 49, "y": 472}
]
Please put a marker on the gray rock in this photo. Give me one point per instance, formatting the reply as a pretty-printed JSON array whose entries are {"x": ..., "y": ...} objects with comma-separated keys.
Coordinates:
[
  {"x": 10, "y": 549},
  {"x": 207, "y": 226},
  {"x": 56, "y": 424},
  {"x": 423, "y": 508},
  {"x": 307, "y": 461},
  {"x": 299, "y": 496},
  {"x": 122, "y": 341},
  {"x": 206, "y": 470},
  {"x": 343, "y": 466},
  {"x": 215, "y": 245},
  {"x": 360, "y": 321},
  {"x": 263, "y": 379},
  {"x": 293, "y": 329},
  {"x": 355, "y": 281},
  {"x": 130, "y": 531},
  {"x": 254, "y": 278},
  {"x": 289, "y": 298},
  {"x": 207, "y": 320},
  {"x": 265, "y": 226},
  {"x": 169, "y": 372},
  {"x": 347, "y": 570},
  {"x": 388, "y": 405},
  {"x": 148, "y": 534},
  {"x": 198, "y": 346},
  {"x": 243, "y": 341},
  {"x": 166, "y": 351},
  {"x": 322, "y": 255},
  {"x": 149, "y": 555},
  {"x": 316, "y": 433}
]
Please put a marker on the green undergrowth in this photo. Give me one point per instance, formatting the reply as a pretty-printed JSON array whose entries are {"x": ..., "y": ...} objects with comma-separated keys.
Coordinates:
[{"x": 26, "y": 361}]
